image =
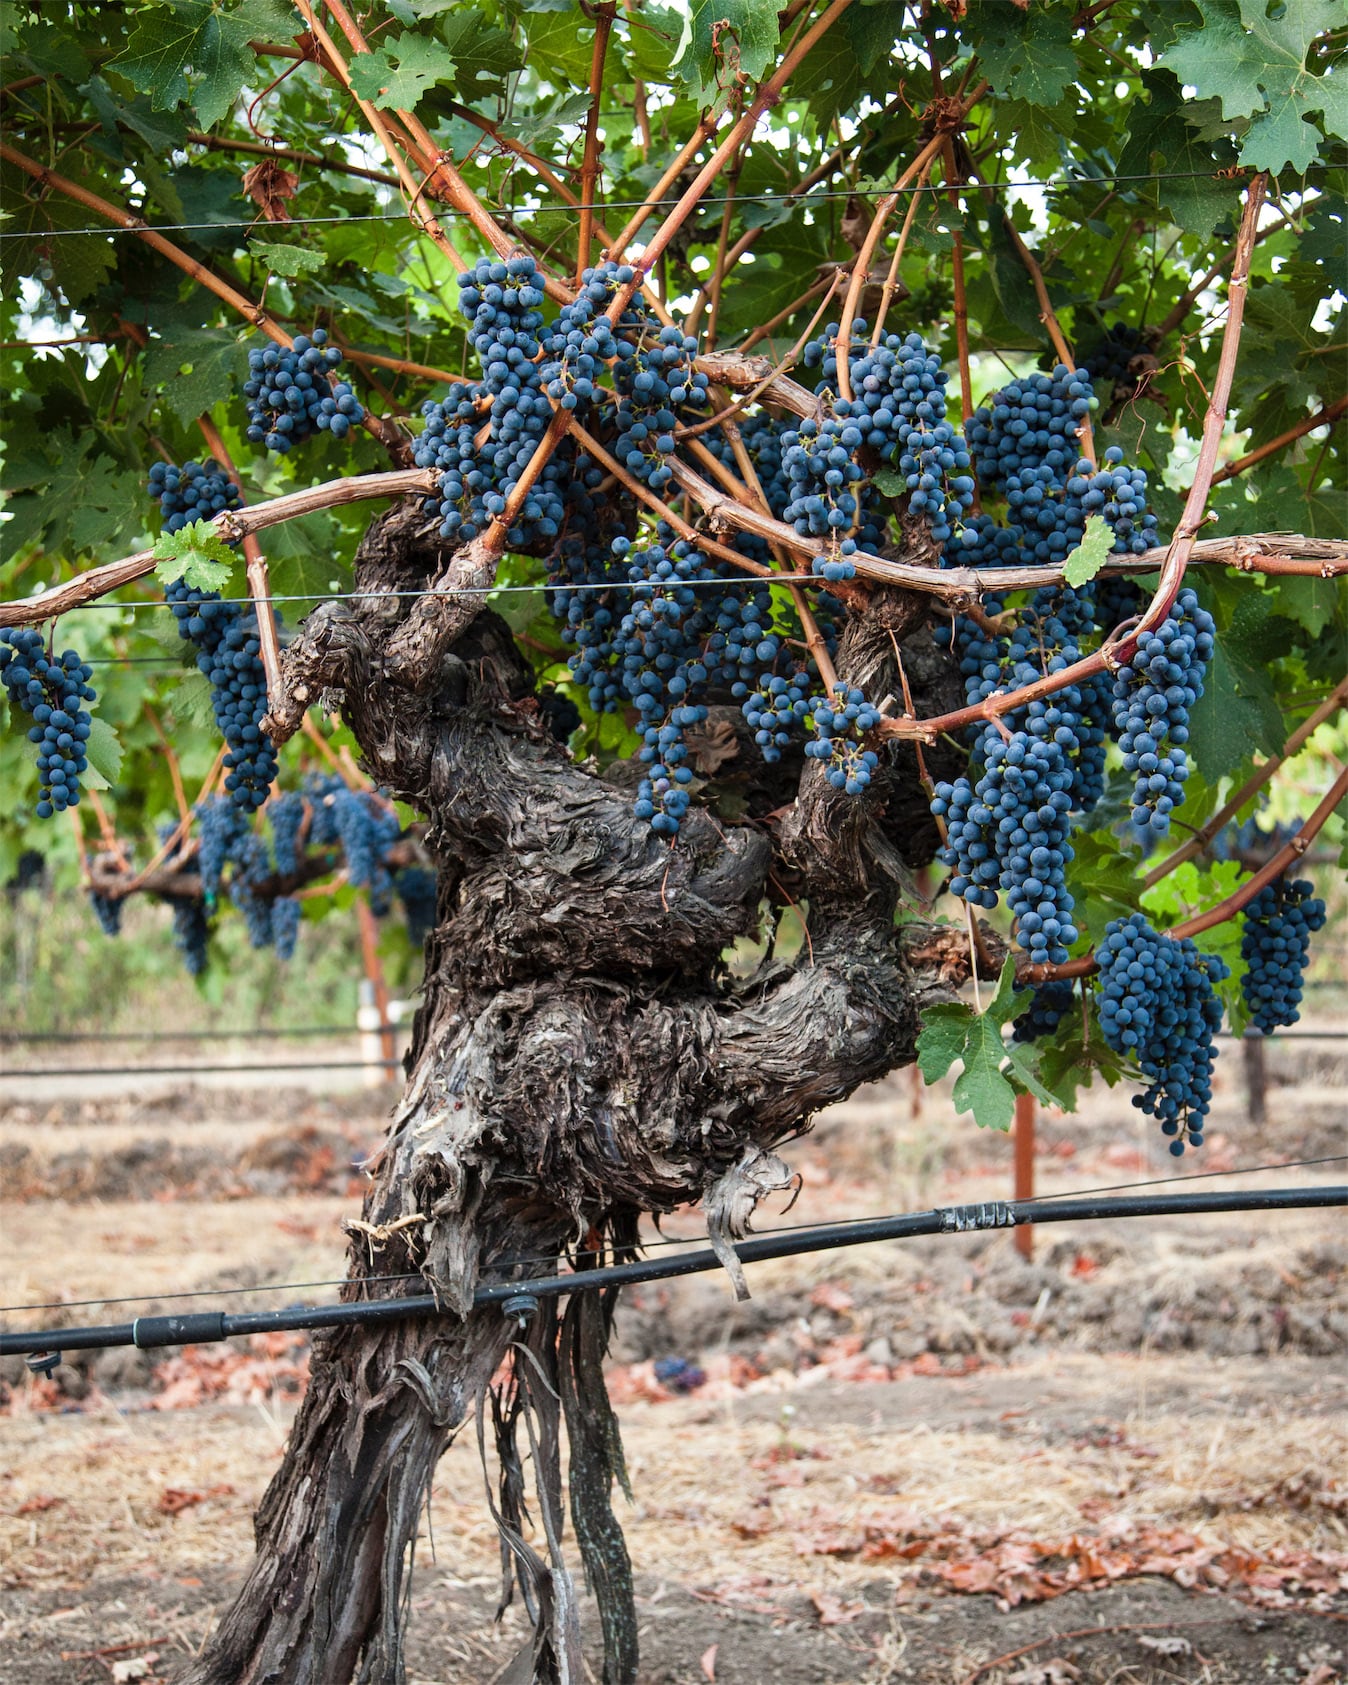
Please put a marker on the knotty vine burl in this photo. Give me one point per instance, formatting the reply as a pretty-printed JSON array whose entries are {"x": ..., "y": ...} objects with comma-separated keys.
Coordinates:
[{"x": 724, "y": 546}]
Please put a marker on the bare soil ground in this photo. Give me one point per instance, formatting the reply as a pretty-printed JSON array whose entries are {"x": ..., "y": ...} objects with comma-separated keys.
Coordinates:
[{"x": 1125, "y": 1461}]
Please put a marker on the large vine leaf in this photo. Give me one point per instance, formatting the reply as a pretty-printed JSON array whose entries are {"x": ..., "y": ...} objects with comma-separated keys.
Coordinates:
[
  {"x": 1027, "y": 52},
  {"x": 192, "y": 51},
  {"x": 1256, "y": 65},
  {"x": 398, "y": 73},
  {"x": 722, "y": 36},
  {"x": 957, "y": 1032}
]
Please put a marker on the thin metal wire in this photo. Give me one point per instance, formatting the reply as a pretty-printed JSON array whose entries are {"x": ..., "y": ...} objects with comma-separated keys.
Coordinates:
[
  {"x": 520, "y": 212},
  {"x": 653, "y": 1245},
  {"x": 469, "y": 591}
]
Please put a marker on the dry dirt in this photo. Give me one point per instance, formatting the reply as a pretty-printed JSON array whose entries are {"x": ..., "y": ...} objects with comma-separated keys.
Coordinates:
[{"x": 1125, "y": 1461}]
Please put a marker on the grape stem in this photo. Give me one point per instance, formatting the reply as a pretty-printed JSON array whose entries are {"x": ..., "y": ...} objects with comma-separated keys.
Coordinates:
[
  {"x": 1261, "y": 776},
  {"x": 852, "y": 147},
  {"x": 919, "y": 169},
  {"x": 231, "y": 525},
  {"x": 892, "y": 275},
  {"x": 175, "y": 771},
  {"x": 589, "y": 169},
  {"x": 332, "y": 60}
]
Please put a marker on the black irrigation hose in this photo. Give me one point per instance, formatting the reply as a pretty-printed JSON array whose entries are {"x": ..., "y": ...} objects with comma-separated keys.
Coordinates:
[{"x": 519, "y": 1297}]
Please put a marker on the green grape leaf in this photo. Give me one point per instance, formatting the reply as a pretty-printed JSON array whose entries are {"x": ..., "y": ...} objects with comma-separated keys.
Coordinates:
[
  {"x": 482, "y": 57},
  {"x": 1083, "y": 563},
  {"x": 889, "y": 483},
  {"x": 104, "y": 750},
  {"x": 1026, "y": 52},
  {"x": 194, "y": 51},
  {"x": 1161, "y": 137},
  {"x": 1237, "y": 713},
  {"x": 195, "y": 553},
  {"x": 725, "y": 35},
  {"x": 983, "y": 1087},
  {"x": 196, "y": 367},
  {"x": 399, "y": 72},
  {"x": 1256, "y": 66},
  {"x": 282, "y": 258},
  {"x": 1311, "y": 602},
  {"x": 190, "y": 702}
]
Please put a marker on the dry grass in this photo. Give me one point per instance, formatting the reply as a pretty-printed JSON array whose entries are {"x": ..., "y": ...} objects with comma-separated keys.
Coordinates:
[
  {"x": 719, "y": 1495},
  {"x": 49, "y": 1251}
]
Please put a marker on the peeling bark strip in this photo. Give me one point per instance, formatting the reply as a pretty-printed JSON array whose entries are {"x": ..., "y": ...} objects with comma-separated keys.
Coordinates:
[{"x": 581, "y": 1057}]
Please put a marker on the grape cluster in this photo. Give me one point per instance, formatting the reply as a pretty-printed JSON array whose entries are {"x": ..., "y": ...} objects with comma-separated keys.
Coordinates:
[
  {"x": 229, "y": 654},
  {"x": 1109, "y": 357},
  {"x": 1152, "y": 698},
  {"x": 579, "y": 345},
  {"x": 1031, "y": 423},
  {"x": 1275, "y": 944},
  {"x": 285, "y": 925},
  {"x": 364, "y": 825},
  {"x": 286, "y": 815},
  {"x": 191, "y": 927},
  {"x": 191, "y": 931},
  {"x": 52, "y": 691},
  {"x": 1007, "y": 820},
  {"x": 416, "y": 890},
  {"x": 225, "y": 837},
  {"x": 1158, "y": 1005},
  {"x": 1009, "y": 832},
  {"x": 776, "y": 711},
  {"x": 897, "y": 411},
  {"x": 194, "y": 492},
  {"x": 508, "y": 408},
  {"x": 837, "y": 743},
  {"x": 1049, "y": 1005},
  {"x": 290, "y": 395},
  {"x": 108, "y": 912}
]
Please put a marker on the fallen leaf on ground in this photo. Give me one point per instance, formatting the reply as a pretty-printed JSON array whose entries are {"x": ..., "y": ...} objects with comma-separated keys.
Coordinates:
[
  {"x": 833, "y": 1611},
  {"x": 37, "y": 1503},
  {"x": 1055, "y": 1671},
  {"x": 1166, "y": 1646}
]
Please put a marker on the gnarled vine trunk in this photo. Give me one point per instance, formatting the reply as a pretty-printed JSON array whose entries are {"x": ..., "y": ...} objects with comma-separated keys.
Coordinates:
[{"x": 581, "y": 1056}]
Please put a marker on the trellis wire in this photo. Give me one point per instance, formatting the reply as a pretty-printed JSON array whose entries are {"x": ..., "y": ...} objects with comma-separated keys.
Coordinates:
[
  {"x": 652, "y": 1245},
  {"x": 522, "y": 211},
  {"x": 519, "y": 1297},
  {"x": 449, "y": 591}
]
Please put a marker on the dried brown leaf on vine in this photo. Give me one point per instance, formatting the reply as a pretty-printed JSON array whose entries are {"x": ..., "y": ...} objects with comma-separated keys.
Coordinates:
[
  {"x": 856, "y": 221},
  {"x": 711, "y": 746},
  {"x": 269, "y": 184}
]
